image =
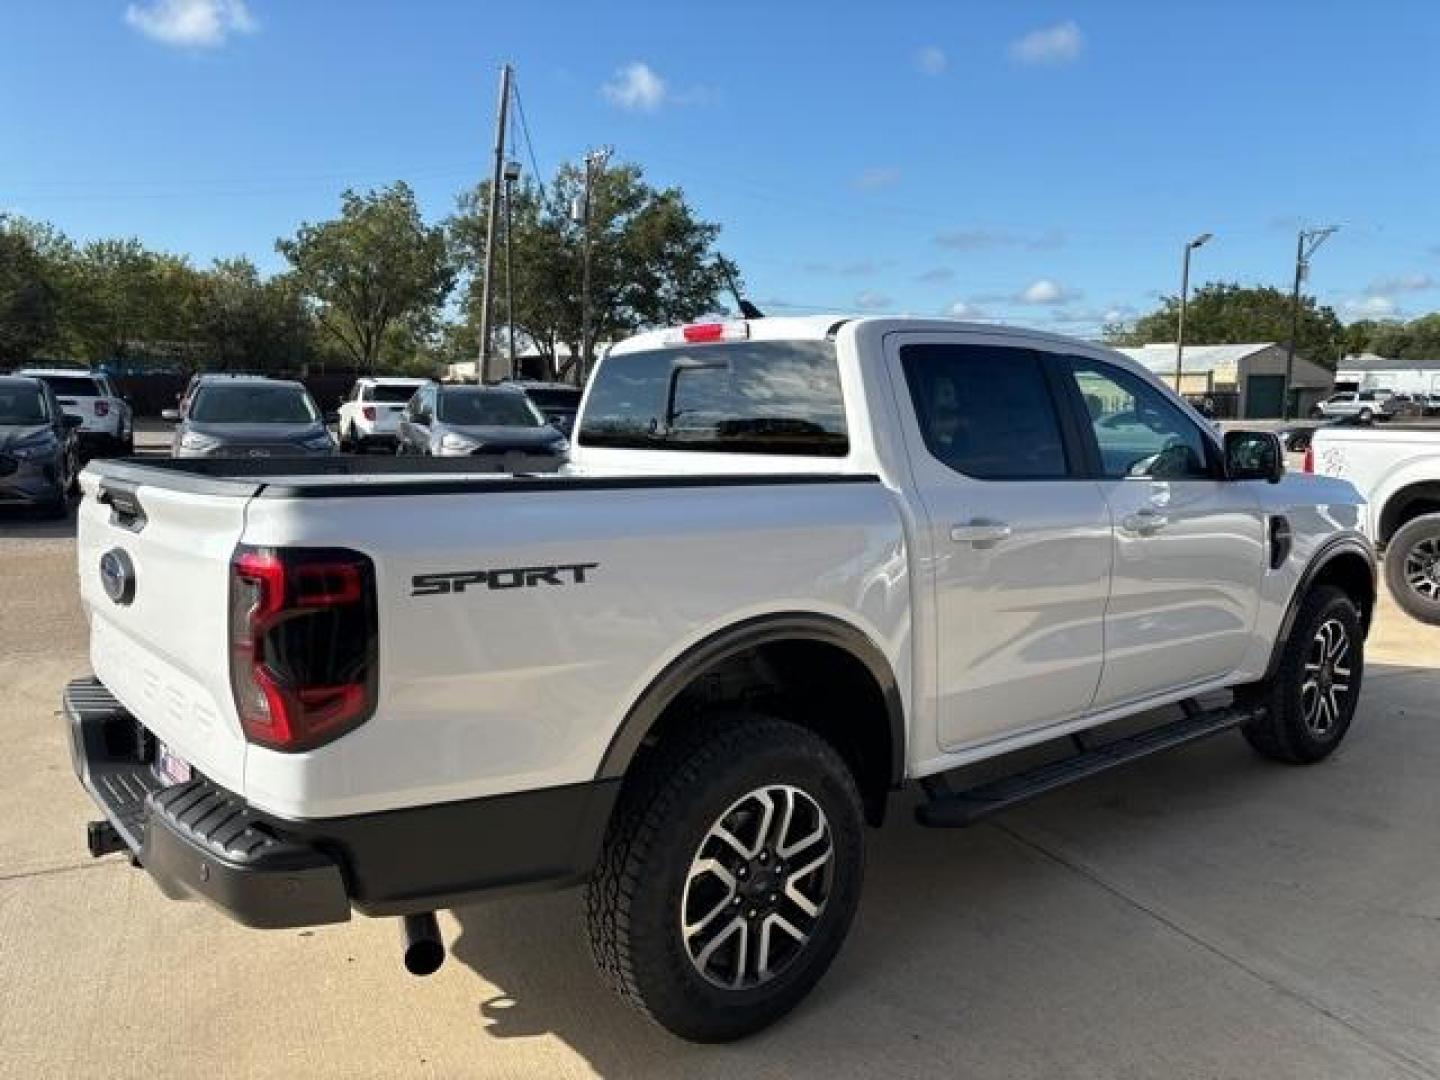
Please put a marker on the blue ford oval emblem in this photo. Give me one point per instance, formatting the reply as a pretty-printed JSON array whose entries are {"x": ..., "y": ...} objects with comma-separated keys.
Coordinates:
[{"x": 117, "y": 576}]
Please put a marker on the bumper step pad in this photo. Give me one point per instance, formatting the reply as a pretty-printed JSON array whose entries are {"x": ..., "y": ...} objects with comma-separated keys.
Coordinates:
[{"x": 197, "y": 840}]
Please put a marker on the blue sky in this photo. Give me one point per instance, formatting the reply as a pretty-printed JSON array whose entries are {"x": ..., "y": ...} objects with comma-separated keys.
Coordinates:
[{"x": 1033, "y": 162}]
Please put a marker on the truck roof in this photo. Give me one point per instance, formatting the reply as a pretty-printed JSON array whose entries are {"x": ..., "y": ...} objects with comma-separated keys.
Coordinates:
[
  {"x": 393, "y": 380},
  {"x": 819, "y": 327}
]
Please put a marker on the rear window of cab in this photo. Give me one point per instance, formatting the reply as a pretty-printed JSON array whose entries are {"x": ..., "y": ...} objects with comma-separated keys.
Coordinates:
[{"x": 750, "y": 397}]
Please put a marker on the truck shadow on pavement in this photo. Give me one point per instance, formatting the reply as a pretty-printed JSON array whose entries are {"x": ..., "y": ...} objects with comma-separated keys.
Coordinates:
[{"x": 1199, "y": 913}]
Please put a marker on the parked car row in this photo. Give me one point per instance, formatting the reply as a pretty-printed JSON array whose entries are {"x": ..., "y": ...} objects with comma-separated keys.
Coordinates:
[{"x": 503, "y": 426}]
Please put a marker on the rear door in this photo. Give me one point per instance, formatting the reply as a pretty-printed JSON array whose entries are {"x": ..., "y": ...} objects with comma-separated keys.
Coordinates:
[
  {"x": 1189, "y": 550},
  {"x": 1021, "y": 539}
]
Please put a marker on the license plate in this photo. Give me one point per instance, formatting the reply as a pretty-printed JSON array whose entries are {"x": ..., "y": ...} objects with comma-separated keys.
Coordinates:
[{"x": 173, "y": 770}]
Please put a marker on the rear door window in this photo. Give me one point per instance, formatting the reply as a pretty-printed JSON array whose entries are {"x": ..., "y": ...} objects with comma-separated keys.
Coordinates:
[
  {"x": 753, "y": 397},
  {"x": 986, "y": 410}
]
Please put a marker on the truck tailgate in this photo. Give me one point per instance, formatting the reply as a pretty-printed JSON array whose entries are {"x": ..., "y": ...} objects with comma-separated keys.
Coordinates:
[{"x": 162, "y": 651}]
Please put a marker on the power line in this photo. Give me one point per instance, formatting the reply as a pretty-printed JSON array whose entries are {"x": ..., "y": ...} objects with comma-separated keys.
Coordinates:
[{"x": 529, "y": 145}]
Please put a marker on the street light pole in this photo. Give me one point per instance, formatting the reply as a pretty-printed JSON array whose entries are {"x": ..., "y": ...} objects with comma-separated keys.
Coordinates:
[
  {"x": 512, "y": 173},
  {"x": 1184, "y": 301},
  {"x": 1305, "y": 245}
]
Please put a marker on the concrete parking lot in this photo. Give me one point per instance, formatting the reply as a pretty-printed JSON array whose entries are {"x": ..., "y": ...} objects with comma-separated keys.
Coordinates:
[{"x": 1203, "y": 914}]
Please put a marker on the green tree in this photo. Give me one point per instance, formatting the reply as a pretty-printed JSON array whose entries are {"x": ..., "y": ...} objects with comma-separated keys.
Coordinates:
[
  {"x": 652, "y": 259},
  {"x": 29, "y": 299},
  {"x": 122, "y": 300},
  {"x": 252, "y": 323},
  {"x": 375, "y": 265},
  {"x": 1225, "y": 313}
]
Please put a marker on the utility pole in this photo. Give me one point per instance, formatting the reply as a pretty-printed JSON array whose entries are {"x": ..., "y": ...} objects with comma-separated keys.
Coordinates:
[
  {"x": 595, "y": 162},
  {"x": 1305, "y": 245},
  {"x": 482, "y": 369},
  {"x": 512, "y": 173},
  {"x": 1184, "y": 300}
]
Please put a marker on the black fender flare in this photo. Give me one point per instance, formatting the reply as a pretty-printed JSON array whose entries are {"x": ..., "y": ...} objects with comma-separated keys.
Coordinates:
[
  {"x": 740, "y": 637},
  {"x": 1334, "y": 548}
]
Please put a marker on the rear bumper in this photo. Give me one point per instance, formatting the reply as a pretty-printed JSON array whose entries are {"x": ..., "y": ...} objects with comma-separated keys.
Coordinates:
[{"x": 201, "y": 842}]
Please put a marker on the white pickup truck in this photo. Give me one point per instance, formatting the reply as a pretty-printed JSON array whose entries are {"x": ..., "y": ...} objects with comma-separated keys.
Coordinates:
[
  {"x": 1397, "y": 470},
  {"x": 797, "y": 563}
]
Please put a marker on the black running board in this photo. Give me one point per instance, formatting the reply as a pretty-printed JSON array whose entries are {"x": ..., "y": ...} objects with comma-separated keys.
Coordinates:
[{"x": 949, "y": 809}]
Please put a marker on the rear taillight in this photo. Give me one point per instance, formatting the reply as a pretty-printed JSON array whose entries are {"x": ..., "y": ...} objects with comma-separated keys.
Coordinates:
[
  {"x": 102, "y": 408},
  {"x": 1309, "y": 463},
  {"x": 303, "y": 647},
  {"x": 369, "y": 411}
]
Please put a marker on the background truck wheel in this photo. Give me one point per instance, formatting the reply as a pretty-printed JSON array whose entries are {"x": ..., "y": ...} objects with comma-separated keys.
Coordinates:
[
  {"x": 1412, "y": 568},
  {"x": 729, "y": 877},
  {"x": 1311, "y": 698}
]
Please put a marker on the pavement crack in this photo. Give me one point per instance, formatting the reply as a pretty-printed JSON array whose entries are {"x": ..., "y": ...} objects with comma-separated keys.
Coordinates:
[
  {"x": 1397, "y": 1057},
  {"x": 50, "y": 871}
]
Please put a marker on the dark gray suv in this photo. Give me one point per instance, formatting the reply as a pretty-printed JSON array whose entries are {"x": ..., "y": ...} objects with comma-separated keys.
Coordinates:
[
  {"x": 250, "y": 417},
  {"x": 38, "y": 456},
  {"x": 497, "y": 425}
]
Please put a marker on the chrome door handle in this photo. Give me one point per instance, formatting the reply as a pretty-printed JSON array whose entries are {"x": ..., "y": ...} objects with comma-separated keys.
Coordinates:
[
  {"x": 1146, "y": 521},
  {"x": 980, "y": 532}
]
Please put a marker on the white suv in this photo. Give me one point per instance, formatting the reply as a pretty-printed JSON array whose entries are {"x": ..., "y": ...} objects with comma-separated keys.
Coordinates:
[
  {"x": 107, "y": 427},
  {"x": 370, "y": 413}
]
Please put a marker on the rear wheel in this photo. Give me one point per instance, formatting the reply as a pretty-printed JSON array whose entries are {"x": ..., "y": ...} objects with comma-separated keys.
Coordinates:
[
  {"x": 730, "y": 875},
  {"x": 1412, "y": 568},
  {"x": 1310, "y": 700},
  {"x": 1366, "y": 416}
]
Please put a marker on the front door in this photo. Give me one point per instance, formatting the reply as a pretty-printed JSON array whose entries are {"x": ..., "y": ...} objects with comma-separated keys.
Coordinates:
[
  {"x": 1189, "y": 545},
  {"x": 1020, "y": 543}
]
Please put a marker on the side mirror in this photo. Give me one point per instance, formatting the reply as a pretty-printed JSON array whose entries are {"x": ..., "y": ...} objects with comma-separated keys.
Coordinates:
[
  {"x": 173, "y": 415},
  {"x": 71, "y": 422},
  {"x": 1254, "y": 455}
]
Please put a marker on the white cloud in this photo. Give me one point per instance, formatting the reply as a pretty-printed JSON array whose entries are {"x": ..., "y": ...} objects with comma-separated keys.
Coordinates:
[
  {"x": 1044, "y": 291},
  {"x": 1388, "y": 286},
  {"x": 635, "y": 87},
  {"x": 964, "y": 309},
  {"x": 931, "y": 60},
  {"x": 191, "y": 23},
  {"x": 877, "y": 177},
  {"x": 1369, "y": 307},
  {"x": 935, "y": 276},
  {"x": 990, "y": 239},
  {"x": 870, "y": 300},
  {"x": 1058, "y": 44}
]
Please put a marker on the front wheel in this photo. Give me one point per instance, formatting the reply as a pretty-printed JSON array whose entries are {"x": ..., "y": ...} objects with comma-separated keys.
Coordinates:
[
  {"x": 1366, "y": 416},
  {"x": 1412, "y": 568},
  {"x": 730, "y": 874},
  {"x": 1307, "y": 705}
]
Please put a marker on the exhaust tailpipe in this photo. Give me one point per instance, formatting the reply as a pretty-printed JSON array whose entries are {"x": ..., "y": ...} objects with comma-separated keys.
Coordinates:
[{"x": 422, "y": 945}]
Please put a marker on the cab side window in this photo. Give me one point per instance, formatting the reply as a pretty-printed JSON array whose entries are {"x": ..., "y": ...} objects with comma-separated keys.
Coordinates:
[
  {"x": 1139, "y": 432},
  {"x": 986, "y": 410}
]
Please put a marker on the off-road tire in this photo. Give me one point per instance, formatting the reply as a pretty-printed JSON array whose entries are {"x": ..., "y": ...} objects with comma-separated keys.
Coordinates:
[
  {"x": 1288, "y": 729},
  {"x": 1409, "y": 548},
  {"x": 635, "y": 899}
]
